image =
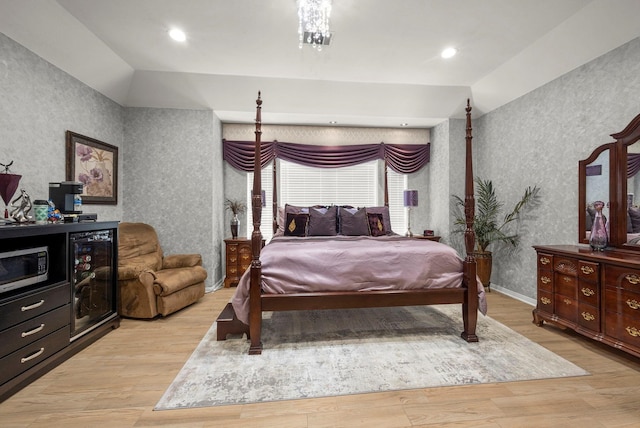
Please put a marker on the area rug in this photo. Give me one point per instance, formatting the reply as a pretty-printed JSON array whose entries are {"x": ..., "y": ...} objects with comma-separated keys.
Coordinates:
[{"x": 339, "y": 352}]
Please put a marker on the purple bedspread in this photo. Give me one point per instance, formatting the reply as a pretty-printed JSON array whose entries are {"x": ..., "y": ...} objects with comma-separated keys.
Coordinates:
[{"x": 352, "y": 263}]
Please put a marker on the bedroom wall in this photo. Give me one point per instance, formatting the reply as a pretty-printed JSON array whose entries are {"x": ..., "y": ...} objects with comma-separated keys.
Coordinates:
[
  {"x": 539, "y": 139},
  {"x": 39, "y": 103},
  {"x": 173, "y": 171},
  {"x": 159, "y": 180}
]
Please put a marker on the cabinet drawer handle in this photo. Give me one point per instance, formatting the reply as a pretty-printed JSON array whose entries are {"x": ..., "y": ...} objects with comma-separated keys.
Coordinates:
[
  {"x": 587, "y": 316},
  {"x": 34, "y": 306},
  {"x": 32, "y": 356},
  {"x": 633, "y": 331},
  {"x": 587, "y": 270},
  {"x": 566, "y": 301},
  {"x": 567, "y": 279},
  {"x": 588, "y": 292},
  {"x": 544, "y": 261},
  {"x": 633, "y": 304},
  {"x": 633, "y": 279},
  {"x": 545, "y": 300},
  {"x": 545, "y": 280},
  {"x": 232, "y": 270},
  {"x": 33, "y": 331}
]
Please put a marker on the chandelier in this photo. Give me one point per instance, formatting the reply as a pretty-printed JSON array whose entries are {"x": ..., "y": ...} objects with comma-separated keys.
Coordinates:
[{"x": 313, "y": 23}]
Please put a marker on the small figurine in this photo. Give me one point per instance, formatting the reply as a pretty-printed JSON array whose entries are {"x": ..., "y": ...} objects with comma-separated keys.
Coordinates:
[
  {"x": 53, "y": 214},
  {"x": 21, "y": 212}
]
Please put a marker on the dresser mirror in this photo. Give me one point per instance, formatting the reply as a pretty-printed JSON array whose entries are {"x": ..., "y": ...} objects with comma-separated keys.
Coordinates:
[
  {"x": 612, "y": 174},
  {"x": 595, "y": 185}
]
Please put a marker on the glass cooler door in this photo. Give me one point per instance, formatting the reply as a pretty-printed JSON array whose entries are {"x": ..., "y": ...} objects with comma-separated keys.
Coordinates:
[{"x": 91, "y": 279}]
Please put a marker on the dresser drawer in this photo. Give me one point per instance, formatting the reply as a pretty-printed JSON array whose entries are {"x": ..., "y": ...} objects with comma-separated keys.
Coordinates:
[
  {"x": 588, "y": 293},
  {"x": 588, "y": 271},
  {"x": 621, "y": 301},
  {"x": 565, "y": 266},
  {"x": 565, "y": 307},
  {"x": 30, "y": 355},
  {"x": 545, "y": 302},
  {"x": 32, "y": 305},
  {"x": 626, "y": 278},
  {"x": 624, "y": 328},
  {"x": 34, "y": 329},
  {"x": 589, "y": 317},
  {"x": 545, "y": 280},
  {"x": 545, "y": 261},
  {"x": 566, "y": 285}
]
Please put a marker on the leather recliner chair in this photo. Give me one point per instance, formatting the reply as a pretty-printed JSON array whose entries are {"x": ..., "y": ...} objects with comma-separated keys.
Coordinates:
[{"x": 150, "y": 283}]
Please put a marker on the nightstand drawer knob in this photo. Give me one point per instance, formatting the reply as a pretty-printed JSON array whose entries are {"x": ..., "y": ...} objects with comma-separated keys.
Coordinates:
[
  {"x": 544, "y": 260},
  {"x": 545, "y": 300},
  {"x": 545, "y": 280},
  {"x": 633, "y": 331}
]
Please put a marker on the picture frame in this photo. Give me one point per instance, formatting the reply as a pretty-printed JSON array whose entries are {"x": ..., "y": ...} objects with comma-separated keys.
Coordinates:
[{"x": 94, "y": 164}]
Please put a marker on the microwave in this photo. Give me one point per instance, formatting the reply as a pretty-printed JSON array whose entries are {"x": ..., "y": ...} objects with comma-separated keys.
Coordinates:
[{"x": 24, "y": 267}]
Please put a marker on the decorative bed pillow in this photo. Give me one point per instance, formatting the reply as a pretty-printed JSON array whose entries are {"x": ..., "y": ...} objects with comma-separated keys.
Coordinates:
[
  {"x": 386, "y": 219},
  {"x": 353, "y": 222},
  {"x": 376, "y": 224},
  {"x": 296, "y": 224},
  {"x": 322, "y": 221}
]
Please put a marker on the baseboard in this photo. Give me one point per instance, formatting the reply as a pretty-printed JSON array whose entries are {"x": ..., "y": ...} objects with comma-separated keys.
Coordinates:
[{"x": 513, "y": 294}]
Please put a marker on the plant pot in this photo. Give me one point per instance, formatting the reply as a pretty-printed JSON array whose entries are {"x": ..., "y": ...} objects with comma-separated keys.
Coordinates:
[{"x": 483, "y": 266}]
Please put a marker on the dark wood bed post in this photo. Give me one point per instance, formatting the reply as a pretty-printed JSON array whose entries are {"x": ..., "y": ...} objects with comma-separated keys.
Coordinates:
[
  {"x": 255, "y": 303},
  {"x": 470, "y": 305}
]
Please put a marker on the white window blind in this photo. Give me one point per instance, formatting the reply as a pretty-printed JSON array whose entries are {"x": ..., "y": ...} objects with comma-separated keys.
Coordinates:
[
  {"x": 302, "y": 185},
  {"x": 356, "y": 185}
]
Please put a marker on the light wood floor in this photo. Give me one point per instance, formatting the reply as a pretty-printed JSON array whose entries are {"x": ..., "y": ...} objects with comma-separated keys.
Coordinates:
[{"x": 117, "y": 381}]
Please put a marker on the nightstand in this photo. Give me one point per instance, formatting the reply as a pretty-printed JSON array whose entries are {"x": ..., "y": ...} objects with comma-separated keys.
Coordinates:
[
  {"x": 238, "y": 259},
  {"x": 430, "y": 238}
]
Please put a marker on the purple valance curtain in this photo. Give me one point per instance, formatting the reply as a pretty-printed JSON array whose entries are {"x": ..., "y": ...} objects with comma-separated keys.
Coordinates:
[
  {"x": 633, "y": 164},
  {"x": 402, "y": 158}
]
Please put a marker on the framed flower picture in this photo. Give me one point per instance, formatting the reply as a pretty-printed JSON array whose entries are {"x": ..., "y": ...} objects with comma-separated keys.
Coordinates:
[{"x": 94, "y": 164}]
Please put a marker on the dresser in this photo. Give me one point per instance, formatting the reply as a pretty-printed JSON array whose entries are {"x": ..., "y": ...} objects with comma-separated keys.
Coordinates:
[
  {"x": 238, "y": 257},
  {"x": 596, "y": 294},
  {"x": 45, "y": 322}
]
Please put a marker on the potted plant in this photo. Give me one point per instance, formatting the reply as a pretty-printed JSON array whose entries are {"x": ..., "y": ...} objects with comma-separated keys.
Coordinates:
[
  {"x": 236, "y": 207},
  {"x": 487, "y": 227}
]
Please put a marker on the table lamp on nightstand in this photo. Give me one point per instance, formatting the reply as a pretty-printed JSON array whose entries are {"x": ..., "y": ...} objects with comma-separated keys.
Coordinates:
[{"x": 410, "y": 201}]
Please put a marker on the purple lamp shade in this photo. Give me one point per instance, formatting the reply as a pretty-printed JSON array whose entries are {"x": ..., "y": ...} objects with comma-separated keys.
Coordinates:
[{"x": 410, "y": 198}]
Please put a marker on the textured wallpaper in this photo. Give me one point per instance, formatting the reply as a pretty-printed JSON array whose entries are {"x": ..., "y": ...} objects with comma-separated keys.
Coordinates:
[
  {"x": 539, "y": 139},
  {"x": 38, "y": 103},
  {"x": 172, "y": 167}
]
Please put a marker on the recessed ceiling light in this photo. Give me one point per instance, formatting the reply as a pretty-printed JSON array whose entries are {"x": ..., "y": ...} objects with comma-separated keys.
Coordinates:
[
  {"x": 448, "y": 52},
  {"x": 404, "y": 124},
  {"x": 177, "y": 35},
  {"x": 333, "y": 122}
]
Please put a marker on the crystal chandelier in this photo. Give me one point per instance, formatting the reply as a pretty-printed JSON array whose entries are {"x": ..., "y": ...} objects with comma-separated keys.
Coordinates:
[{"x": 313, "y": 26}]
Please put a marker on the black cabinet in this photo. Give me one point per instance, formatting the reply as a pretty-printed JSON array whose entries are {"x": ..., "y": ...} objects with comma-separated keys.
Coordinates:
[{"x": 43, "y": 324}]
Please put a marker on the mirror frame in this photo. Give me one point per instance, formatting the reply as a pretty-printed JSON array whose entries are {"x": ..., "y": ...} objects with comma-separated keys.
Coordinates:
[
  {"x": 617, "y": 186},
  {"x": 582, "y": 186}
]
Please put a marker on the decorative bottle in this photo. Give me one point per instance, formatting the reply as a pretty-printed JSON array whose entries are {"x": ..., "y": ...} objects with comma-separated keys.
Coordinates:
[{"x": 598, "y": 240}]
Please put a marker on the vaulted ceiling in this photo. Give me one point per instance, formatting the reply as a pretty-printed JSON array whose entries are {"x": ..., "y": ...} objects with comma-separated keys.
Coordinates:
[{"x": 383, "y": 66}]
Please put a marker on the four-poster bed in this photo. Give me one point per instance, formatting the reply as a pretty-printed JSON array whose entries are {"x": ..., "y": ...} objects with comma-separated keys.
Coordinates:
[{"x": 451, "y": 280}]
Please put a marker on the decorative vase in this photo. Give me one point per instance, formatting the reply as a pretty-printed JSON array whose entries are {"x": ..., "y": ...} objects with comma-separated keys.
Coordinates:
[
  {"x": 235, "y": 225},
  {"x": 598, "y": 239}
]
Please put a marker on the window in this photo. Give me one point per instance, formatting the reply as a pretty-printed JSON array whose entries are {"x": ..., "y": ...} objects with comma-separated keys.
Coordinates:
[{"x": 357, "y": 185}]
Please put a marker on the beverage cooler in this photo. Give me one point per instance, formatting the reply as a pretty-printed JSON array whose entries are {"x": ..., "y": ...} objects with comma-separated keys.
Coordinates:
[{"x": 92, "y": 256}]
